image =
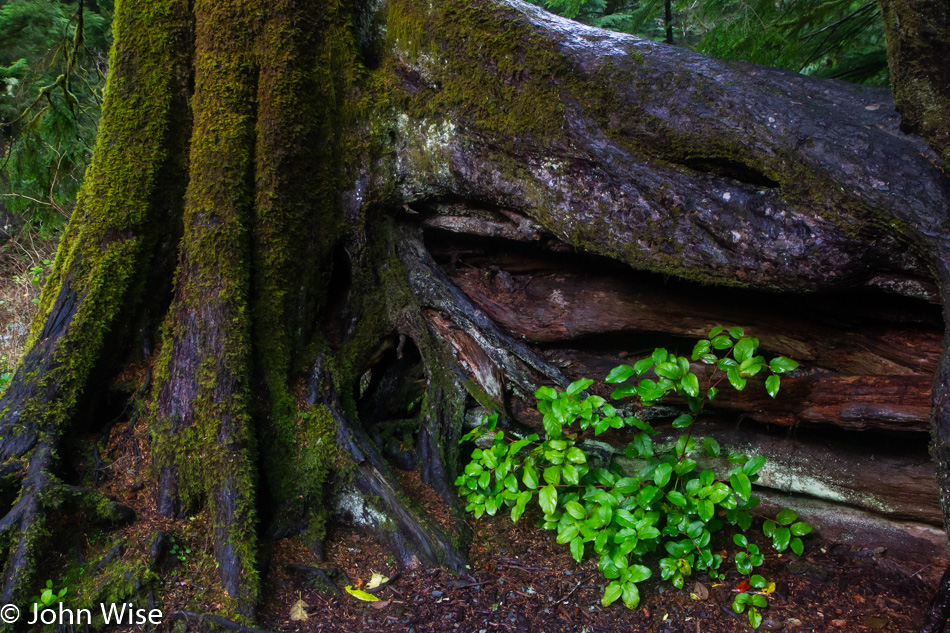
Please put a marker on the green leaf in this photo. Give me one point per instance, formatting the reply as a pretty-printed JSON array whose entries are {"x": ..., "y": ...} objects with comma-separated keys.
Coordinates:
[
  {"x": 545, "y": 393},
  {"x": 700, "y": 349},
  {"x": 751, "y": 366},
  {"x": 576, "y": 510},
  {"x": 631, "y": 595},
  {"x": 548, "y": 499},
  {"x": 741, "y": 484},
  {"x": 744, "y": 349},
  {"x": 566, "y": 532},
  {"x": 661, "y": 476},
  {"x": 739, "y": 602},
  {"x": 676, "y": 498},
  {"x": 638, "y": 573},
  {"x": 660, "y": 355},
  {"x": 690, "y": 384},
  {"x": 626, "y": 485},
  {"x": 797, "y": 546},
  {"x": 625, "y": 391},
  {"x": 737, "y": 381},
  {"x": 570, "y": 474},
  {"x": 786, "y": 517},
  {"x": 716, "y": 331},
  {"x": 781, "y": 539},
  {"x": 642, "y": 366},
  {"x": 576, "y": 455},
  {"x": 754, "y": 465},
  {"x": 758, "y": 600},
  {"x": 705, "y": 509},
  {"x": 722, "y": 342},
  {"x": 360, "y": 594},
  {"x": 552, "y": 475},
  {"x": 685, "y": 466},
  {"x": 800, "y": 529},
  {"x": 711, "y": 446},
  {"x": 755, "y": 618},
  {"x": 740, "y": 540},
  {"x": 683, "y": 421},
  {"x": 772, "y": 384},
  {"x": 625, "y": 519},
  {"x": 518, "y": 509},
  {"x": 552, "y": 425},
  {"x": 736, "y": 332},
  {"x": 648, "y": 533},
  {"x": 577, "y": 548},
  {"x": 758, "y": 582},
  {"x": 719, "y": 492},
  {"x": 669, "y": 370},
  {"x": 530, "y": 477},
  {"x": 578, "y": 386},
  {"x": 678, "y": 550},
  {"x": 646, "y": 496},
  {"x": 619, "y": 374},
  {"x": 643, "y": 445},
  {"x": 781, "y": 365},
  {"x": 611, "y": 593}
]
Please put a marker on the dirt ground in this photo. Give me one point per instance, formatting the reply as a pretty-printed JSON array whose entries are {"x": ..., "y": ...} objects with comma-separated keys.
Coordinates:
[{"x": 521, "y": 580}]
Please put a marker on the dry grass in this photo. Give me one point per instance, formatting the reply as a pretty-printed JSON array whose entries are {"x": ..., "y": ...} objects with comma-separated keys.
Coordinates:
[{"x": 25, "y": 261}]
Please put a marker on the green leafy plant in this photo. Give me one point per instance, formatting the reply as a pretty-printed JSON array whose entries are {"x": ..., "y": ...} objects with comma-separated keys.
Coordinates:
[
  {"x": 48, "y": 597},
  {"x": 6, "y": 373},
  {"x": 179, "y": 551},
  {"x": 670, "y": 507}
]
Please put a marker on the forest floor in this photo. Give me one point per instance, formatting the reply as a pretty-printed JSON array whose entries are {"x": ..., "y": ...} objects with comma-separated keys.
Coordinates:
[{"x": 521, "y": 580}]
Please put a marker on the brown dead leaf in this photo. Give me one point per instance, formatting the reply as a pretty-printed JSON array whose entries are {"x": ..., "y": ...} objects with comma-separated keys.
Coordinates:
[
  {"x": 700, "y": 592},
  {"x": 875, "y": 623},
  {"x": 382, "y": 604},
  {"x": 298, "y": 612}
]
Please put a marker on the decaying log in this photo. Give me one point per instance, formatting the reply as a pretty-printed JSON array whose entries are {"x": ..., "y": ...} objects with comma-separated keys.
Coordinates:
[
  {"x": 892, "y": 479},
  {"x": 889, "y": 403},
  {"x": 552, "y": 306}
]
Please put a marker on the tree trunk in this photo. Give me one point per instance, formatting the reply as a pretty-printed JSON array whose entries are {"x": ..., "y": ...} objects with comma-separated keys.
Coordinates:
[{"x": 329, "y": 235}]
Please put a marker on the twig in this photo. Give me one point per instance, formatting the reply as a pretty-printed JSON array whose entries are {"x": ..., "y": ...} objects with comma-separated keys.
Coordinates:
[
  {"x": 215, "y": 619},
  {"x": 571, "y": 592}
]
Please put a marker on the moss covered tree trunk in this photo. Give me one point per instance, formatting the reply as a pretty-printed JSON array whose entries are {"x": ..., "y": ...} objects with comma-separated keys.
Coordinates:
[{"x": 285, "y": 203}]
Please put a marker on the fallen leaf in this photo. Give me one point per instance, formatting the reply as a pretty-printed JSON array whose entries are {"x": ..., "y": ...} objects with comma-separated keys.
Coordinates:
[
  {"x": 794, "y": 621},
  {"x": 298, "y": 612},
  {"x": 700, "y": 592},
  {"x": 360, "y": 594},
  {"x": 875, "y": 623},
  {"x": 838, "y": 623},
  {"x": 376, "y": 581},
  {"x": 743, "y": 586},
  {"x": 770, "y": 589},
  {"x": 381, "y": 604}
]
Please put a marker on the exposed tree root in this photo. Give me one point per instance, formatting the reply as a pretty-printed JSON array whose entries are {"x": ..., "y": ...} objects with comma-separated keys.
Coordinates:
[
  {"x": 215, "y": 621},
  {"x": 938, "y": 611}
]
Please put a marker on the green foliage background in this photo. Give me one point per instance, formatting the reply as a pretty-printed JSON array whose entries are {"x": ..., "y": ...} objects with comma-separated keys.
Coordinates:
[
  {"x": 841, "y": 39},
  {"x": 50, "y": 95}
]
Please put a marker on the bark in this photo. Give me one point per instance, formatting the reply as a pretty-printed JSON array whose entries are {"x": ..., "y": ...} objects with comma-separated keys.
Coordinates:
[
  {"x": 918, "y": 40},
  {"x": 346, "y": 230}
]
